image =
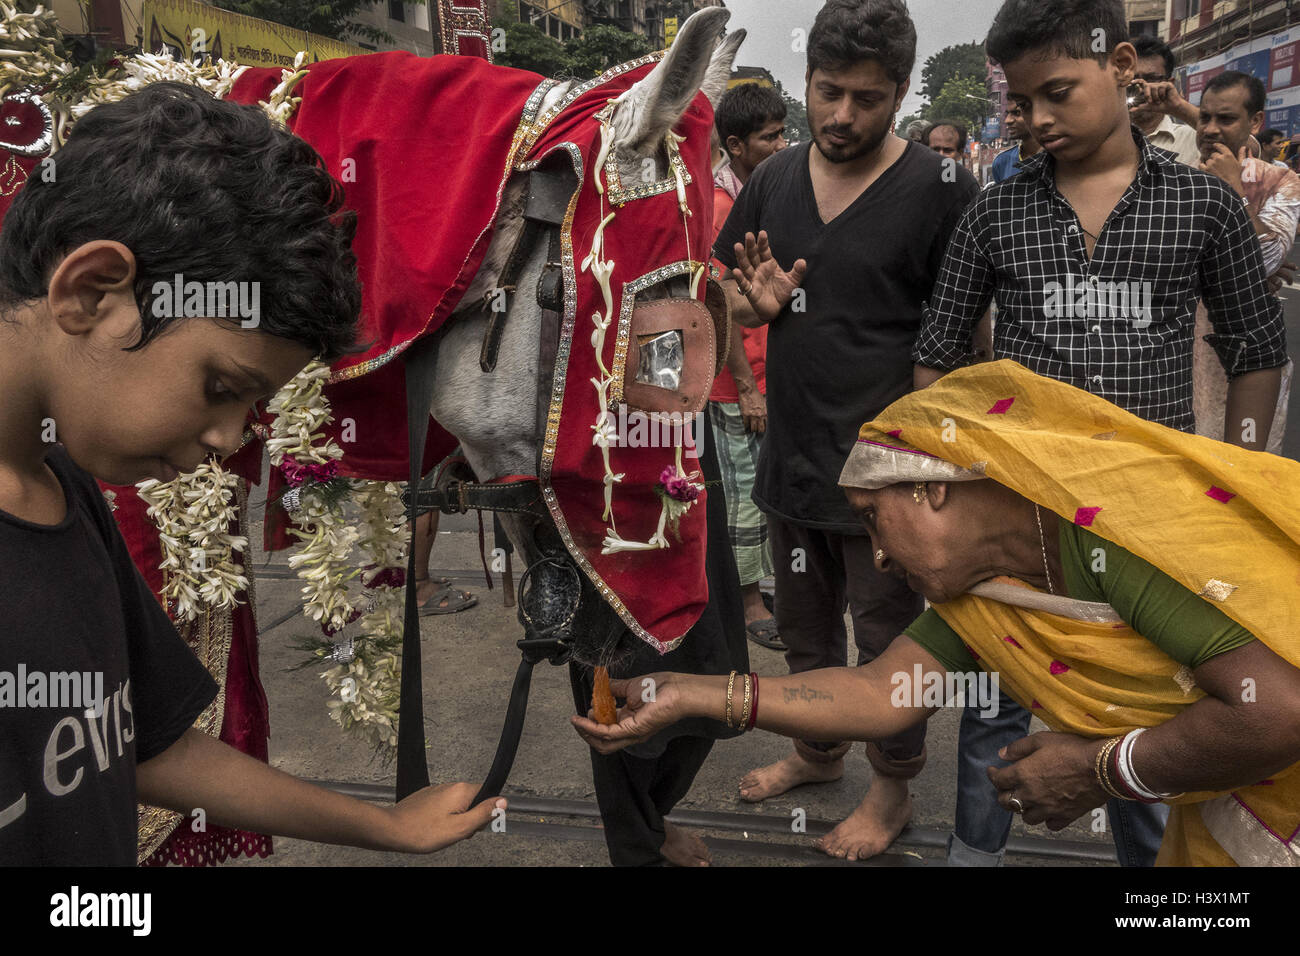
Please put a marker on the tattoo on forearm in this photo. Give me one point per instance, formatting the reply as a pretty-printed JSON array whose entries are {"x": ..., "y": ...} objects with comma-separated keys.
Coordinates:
[{"x": 804, "y": 692}]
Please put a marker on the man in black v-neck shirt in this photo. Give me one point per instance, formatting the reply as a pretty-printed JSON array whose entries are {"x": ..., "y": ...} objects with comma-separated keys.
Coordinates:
[{"x": 862, "y": 218}]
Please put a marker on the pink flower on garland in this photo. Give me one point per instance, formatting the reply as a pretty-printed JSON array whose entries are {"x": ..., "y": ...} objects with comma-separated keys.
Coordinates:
[
  {"x": 296, "y": 474},
  {"x": 678, "y": 487}
]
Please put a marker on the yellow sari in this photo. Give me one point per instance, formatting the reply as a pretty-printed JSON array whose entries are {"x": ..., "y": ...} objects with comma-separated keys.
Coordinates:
[{"x": 1220, "y": 520}]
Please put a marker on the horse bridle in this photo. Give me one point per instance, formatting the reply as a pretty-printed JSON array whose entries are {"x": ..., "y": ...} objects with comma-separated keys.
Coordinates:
[{"x": 549, "y": 638}]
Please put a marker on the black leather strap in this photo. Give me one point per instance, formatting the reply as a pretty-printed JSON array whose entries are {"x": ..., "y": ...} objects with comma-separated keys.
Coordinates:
[
  {"x": 458, "y": 497},
  {"x": 412, "y": 766}
]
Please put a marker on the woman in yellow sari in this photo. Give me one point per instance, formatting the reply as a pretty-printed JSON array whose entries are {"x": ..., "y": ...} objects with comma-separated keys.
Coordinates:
[{"x": 1136, "y": 587}]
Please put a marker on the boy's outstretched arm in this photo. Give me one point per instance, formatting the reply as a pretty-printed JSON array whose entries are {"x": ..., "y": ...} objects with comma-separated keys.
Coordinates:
[{"x": 236, "y": 790}]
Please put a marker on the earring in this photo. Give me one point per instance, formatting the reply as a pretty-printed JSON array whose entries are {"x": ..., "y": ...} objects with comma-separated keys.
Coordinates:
[
  {"x": 918, "y": 493},
  {"x": 880, "y": 555}
]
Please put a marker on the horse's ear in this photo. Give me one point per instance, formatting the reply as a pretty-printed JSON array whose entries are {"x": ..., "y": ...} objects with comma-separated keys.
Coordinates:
[
  {"x": 654, "y": 105},
  {"x": 719, "y": 72}
]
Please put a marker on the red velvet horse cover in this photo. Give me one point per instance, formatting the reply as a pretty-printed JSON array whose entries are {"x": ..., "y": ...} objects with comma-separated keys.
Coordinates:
[{"x": 423, "y": 148}]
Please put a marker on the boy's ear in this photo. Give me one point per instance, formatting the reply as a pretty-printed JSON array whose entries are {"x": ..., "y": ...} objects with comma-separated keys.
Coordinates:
[
  {"x": 91, "y": 280},
  {"x": 1123, "y": 59}
]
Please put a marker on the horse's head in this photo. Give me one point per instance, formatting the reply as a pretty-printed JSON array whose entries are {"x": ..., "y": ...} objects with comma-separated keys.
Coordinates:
[{"x": 606, "y": 149}]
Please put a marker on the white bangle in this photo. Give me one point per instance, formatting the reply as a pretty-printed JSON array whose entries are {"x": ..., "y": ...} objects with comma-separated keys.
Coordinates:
[{"x": 1125, "y": 764}]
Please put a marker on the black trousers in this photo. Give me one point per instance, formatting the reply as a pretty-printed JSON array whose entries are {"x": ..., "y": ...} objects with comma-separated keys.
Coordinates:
[{"x": 637, "y": 787}]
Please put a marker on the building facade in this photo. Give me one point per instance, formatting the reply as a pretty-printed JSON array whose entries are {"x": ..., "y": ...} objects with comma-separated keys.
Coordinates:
[
  {"x": 562, "y": 20},
  {"x": 1198, "y": 29},
  {"x": 438, "y": 26}
]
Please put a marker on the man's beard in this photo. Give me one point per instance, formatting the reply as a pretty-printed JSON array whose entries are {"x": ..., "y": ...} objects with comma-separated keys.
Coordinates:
[{"x": 850, "y": 151}]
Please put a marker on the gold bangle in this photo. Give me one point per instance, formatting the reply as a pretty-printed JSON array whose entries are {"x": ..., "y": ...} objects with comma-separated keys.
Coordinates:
[
  {"x": 731, "y": 683},
  {"x": 744, "y": 710},
  {"x": 1104, "y": 766}
]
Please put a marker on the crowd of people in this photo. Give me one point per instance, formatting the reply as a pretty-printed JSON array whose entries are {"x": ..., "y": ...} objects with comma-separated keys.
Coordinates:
[
  {"x": 1129, "y": 246},
  {"x": 1025, "y": 437}
]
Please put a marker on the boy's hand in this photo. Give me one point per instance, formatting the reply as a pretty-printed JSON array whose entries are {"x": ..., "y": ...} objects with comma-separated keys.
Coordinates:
[
  {"x": 760, "y": 278},
  {"x": 1221, "y": 162},
  {"x": 436, "y": 817}
]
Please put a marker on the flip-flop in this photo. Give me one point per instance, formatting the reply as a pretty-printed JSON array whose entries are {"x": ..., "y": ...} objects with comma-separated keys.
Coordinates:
[
  {"x": 763, "y": 633},
  {"x": 456, "y": 601}
]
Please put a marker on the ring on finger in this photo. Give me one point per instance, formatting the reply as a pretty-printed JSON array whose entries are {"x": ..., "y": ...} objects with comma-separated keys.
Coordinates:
[{"x": 1016, "y": 805}]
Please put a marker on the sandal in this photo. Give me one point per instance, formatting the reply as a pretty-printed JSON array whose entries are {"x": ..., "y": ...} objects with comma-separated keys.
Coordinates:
[
  {"x": 763, "y": 633},
  {"x": 447, "y": 601}
]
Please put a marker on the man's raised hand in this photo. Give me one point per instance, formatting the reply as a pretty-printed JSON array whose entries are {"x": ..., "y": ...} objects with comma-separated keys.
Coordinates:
[{"x": 760, "y": 278}]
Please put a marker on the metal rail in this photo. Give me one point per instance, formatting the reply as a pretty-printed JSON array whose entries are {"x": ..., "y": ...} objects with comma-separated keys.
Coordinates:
[{"x": 911, "y": 838}]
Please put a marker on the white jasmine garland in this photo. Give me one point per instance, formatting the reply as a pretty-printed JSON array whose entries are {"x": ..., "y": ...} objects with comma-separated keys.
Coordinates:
[{"x": 194, "y": 513}]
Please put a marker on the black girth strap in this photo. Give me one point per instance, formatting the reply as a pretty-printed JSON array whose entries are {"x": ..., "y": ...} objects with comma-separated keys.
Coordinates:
[
  {"x": 412, "y": 767},
  {"x": 457, "y": 497}
]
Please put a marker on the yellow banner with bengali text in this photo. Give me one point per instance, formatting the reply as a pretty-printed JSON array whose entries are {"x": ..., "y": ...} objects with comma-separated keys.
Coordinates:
[{"x": 187, "y": 29}]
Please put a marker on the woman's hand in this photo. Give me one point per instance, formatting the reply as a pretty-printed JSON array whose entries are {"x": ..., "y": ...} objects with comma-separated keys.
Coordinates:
[
  {"x": 654, "y": 701},
  {"x": 1052, "y": 776},
  {"x": 436, "y": 817}
]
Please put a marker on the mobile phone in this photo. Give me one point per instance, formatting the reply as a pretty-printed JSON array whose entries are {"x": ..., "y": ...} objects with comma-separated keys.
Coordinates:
[{"x": 1136, "y": 94}]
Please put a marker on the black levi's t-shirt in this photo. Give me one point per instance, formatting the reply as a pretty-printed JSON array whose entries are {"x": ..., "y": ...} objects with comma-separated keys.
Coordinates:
[
  {"x": 848, "y": 354},
  {"x": 73, "y": 603}
]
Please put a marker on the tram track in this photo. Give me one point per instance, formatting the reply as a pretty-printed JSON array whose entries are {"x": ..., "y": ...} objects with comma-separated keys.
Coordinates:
[{"x": 760, "y": 832}]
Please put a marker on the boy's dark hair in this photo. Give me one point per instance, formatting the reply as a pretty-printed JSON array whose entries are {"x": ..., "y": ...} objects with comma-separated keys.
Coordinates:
[
  {"x": 194, "y": 185},
  {"x": 960, "y": 128},
  {"x": 1270, "y": 134},
  {"x": 850, "y": 31},
  {"x": 1055, "y": 27},
  {"x": 1154, "y": 46},
  {"x": 1230, "y": 78},
  {"x": 746, "y": 109}
]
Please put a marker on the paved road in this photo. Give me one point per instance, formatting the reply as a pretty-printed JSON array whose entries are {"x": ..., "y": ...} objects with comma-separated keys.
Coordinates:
[{"x": 469, "y": 660}]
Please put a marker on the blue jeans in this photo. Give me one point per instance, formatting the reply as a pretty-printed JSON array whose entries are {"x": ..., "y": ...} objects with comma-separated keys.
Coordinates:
[{"x": 980, "y": 833}]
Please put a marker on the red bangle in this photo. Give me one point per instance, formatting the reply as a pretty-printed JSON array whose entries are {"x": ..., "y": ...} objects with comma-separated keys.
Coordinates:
[
  {"x": 1117, "y": 779},
  {"x": 753, "y": 709}
]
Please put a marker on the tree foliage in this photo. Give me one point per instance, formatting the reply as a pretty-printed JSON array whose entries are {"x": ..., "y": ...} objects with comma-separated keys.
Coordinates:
[
  {"x": 525, "y": 47},
  {"x": 961, "y": 98},
  {"x": 963, "y": 59},
  {"x": 796, "y": 117},
  {"x": 601, "y": 47}
]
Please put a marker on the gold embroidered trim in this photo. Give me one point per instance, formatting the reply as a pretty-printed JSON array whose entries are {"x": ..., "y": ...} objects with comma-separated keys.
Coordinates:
[{"x": 1217, "y": 590}]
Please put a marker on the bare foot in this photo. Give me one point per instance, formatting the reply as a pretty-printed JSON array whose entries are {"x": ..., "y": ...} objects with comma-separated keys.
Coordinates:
[
  {"x": 684, "y": 848},
  {"x": 775, "y": 779},
  {"x": 874, "y": 825}
]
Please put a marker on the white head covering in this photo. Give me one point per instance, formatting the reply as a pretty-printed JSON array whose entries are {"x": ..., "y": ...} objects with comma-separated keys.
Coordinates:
[{"x": 876, "y": 464}]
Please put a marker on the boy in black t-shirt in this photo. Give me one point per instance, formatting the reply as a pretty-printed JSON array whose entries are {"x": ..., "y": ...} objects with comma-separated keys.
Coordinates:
[{"x": 168, "y": 182}]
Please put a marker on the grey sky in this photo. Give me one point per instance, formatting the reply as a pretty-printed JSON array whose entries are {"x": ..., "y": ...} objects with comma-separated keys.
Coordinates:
[{"x": 939, "y": 23}]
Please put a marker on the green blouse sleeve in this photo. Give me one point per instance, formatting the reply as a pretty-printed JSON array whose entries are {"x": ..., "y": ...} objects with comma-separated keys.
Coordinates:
[
  {"x": 1188, "y": 628},
  {"x": 935, "y": 635}
]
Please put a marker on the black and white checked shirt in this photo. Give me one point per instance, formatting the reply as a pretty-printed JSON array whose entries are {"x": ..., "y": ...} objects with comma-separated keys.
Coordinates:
[{"x": 1177, "y": 235}]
